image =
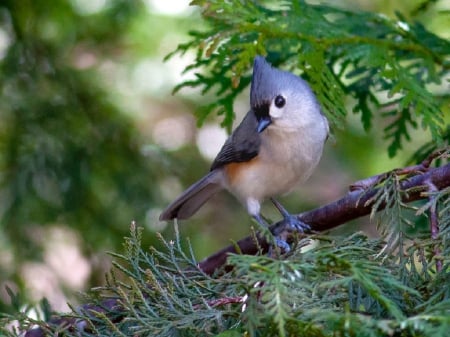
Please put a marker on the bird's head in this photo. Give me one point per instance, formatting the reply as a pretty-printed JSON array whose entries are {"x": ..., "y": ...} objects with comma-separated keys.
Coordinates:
[{"x": 281, "y": 99}]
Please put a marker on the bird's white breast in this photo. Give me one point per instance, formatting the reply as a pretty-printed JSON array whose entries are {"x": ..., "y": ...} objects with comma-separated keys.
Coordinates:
[{"x": 286, "y": 158}]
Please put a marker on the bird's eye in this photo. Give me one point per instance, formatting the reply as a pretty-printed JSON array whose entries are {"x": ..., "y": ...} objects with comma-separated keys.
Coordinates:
[{"x": 280, "y": 101}]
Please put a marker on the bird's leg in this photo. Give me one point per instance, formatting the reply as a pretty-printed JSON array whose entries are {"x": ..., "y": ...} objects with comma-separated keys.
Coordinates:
[
  {"x": 291, "y": 221},
  {"x": 259, "y": 219}
]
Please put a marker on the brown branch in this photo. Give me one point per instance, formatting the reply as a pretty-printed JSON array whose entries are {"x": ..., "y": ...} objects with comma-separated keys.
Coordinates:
[
  {"x": 419, "y": 168},
  {"x": 355, "y": 204},
  {"x": 224, "y": 301}
]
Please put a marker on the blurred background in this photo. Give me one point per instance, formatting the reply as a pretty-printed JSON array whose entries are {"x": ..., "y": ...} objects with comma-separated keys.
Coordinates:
[{"x": 91, "y": 139}]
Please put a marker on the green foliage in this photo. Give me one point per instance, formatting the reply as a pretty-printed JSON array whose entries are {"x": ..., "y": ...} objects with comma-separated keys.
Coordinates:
[
  {"x": 60, "y": 129},
  {"x": 386, "y": 65},
  {"x": 326, "y": 286},
  {"x": 68, "y": 155}
]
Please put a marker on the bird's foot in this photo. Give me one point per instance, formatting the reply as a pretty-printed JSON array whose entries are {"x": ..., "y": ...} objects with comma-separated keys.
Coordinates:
[
  {"x": 279, "y": 238},
  {"x": 294, "y": 224},
  {"x": 282, "y": 245},
  {"x": 290, "y": 222},
  {"x": 282, "y": 233}
]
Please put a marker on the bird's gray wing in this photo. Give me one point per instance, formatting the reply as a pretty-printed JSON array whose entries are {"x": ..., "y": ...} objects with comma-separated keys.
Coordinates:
[
  {"x": 194, "y": 197},
  {"x": 242, "y": 145}
]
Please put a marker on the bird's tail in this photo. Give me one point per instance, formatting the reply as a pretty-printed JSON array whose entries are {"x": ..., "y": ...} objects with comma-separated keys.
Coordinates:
[{"x": 194, "y": 197}]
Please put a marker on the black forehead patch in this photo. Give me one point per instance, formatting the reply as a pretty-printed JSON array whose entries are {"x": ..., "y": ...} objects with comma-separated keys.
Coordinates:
[{"x": 261, "y": 110}]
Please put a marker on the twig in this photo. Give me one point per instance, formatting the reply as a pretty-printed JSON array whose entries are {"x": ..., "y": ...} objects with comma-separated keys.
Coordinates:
[
  {"x": 224, "y": 301},
  {"x": 434, "y": 223},
  {"x": 352, "y": 206},
  {"x": 419, "y": 168}
]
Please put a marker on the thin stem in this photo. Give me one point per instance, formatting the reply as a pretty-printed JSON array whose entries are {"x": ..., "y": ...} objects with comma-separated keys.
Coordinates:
[{"x": 434, "y": 222}]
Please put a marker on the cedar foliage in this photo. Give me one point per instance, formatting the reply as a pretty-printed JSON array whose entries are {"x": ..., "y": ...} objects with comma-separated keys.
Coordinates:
[
  {"x": 328, "y": 285},
  {"x": 384, "y": 64}
]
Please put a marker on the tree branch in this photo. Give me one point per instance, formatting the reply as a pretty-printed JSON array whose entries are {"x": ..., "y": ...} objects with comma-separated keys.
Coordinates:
[{"x": 355, "y": 204}]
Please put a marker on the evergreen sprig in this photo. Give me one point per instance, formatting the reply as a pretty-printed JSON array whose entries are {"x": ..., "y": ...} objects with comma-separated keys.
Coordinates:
[
  {"x": 163, "y": 293},
  {"x": 326, "y": 286},
  {"x": 385, "y": 64},
  {"x": 331, "y": 279}
]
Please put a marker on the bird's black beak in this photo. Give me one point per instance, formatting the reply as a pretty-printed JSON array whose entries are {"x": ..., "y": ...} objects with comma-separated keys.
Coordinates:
[{"x": 263, "y": 123}]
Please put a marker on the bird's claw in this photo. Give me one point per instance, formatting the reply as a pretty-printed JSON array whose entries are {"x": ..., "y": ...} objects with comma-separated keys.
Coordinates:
[
  {"x": 281, "y": 244},
  {"x": 290, "y": 224},
  {"x": 294, "y": 224}
]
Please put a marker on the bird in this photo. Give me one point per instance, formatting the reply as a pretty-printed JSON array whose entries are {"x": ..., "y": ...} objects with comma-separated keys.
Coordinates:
[{"x": 277, "y": 146}]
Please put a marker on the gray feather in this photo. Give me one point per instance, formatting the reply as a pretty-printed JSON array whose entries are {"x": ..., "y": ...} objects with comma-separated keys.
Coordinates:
[
  {"x": 194, "y": 197},
  {"x": 242, "y": 145},
  {"x": 268, "y": 82},
  {"x": 301, "y": 113}
]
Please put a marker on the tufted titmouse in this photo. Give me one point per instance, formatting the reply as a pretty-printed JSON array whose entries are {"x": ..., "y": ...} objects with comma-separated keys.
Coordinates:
[{"x": 277, "y": 145}]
